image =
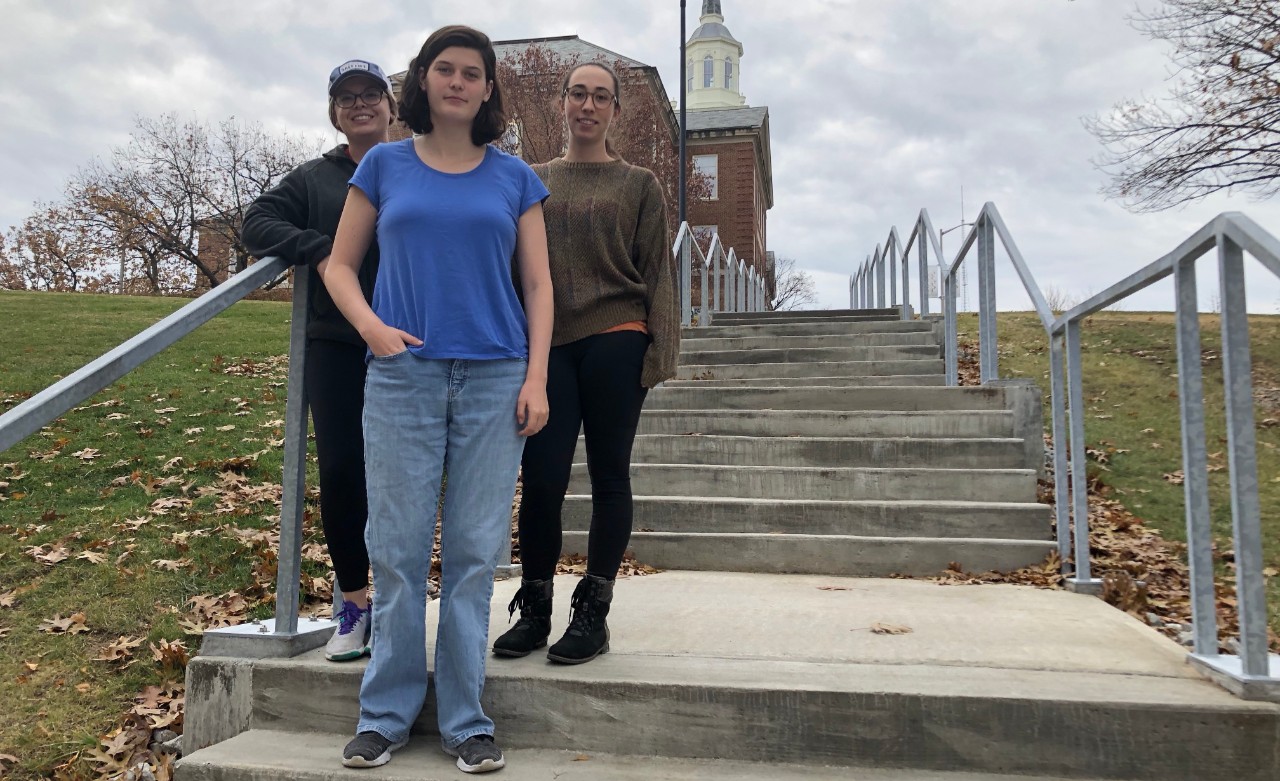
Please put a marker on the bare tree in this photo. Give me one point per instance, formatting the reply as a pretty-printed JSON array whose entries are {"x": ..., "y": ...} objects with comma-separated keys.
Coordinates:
[
  {"x": 795, "y": 289},
  {"x": 54, "y": 249},
  {"x": 173, "y": 199},
  {"x": 1058, "y": 299},
  {"x": 1219, "y": 126},
  {"x": 646, "y": 134}
]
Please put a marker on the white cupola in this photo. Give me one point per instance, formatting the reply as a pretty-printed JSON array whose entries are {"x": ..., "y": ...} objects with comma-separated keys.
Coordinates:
[{"x": 712, "y": 75}]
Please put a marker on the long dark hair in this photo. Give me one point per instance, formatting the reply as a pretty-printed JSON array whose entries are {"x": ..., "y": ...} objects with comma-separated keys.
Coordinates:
[
  {"x": 617, "y": 95},
  {"x": 491, "y": 122}
]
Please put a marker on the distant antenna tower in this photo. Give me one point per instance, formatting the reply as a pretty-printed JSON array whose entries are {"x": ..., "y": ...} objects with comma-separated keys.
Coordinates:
[{"x": 964, "y": 270}]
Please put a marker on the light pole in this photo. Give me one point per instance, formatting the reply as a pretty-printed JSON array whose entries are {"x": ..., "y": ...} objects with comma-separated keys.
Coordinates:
[
  {"x": 964, "y": 277},
  {"x": 683, "y": 97}
]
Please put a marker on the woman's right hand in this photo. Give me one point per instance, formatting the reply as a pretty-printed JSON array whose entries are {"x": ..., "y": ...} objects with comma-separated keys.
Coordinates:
[{"x": 383, "y": 340}]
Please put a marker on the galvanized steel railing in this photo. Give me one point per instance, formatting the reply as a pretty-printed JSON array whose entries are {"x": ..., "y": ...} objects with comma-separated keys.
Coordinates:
[
  {"x": 1252, "y": 673},
  {"x": 728, "y": 283},
  {"x": 282, "y": 634},
  {"x": 867, "y": 287}
]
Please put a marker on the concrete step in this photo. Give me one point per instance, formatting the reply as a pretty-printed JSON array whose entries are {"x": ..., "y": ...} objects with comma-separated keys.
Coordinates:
[
  {"x": 763, "y": 401},
  {"x": 934, "y": 380},
  {"x": 805, "y": 315},
  {"x": 824, "y": 554},
  {"x": 876, "y": 518},
  {"x": 827, "y": 483},
  {"x": 783, "y": 328},
  {"x": 268, "y": 755},
  {"x": 784, "y": 669},
  {"x": 802, "y": 354},
  {"x": 742, "y": 371},
  {"x": 799, "y": 317},
  {"x": 957, "y": 452},
  {"x": 781, "y": 342},
  {"x": 821, "y": 423}
]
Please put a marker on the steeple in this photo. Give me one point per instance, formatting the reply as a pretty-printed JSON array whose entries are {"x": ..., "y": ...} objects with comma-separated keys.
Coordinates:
[{"x": 713, "y": 59}]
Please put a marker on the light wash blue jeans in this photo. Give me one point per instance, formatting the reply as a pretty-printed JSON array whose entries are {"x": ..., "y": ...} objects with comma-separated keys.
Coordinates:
[{"x": 422, "y": 417}]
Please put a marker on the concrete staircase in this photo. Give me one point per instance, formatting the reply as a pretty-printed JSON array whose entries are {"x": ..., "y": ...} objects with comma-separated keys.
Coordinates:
[
  {"x": 774, "y": 480},
  {"x": 822, "y": 443}
]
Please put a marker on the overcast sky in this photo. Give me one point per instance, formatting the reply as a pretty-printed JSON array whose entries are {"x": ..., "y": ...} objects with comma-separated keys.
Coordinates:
[{"x": 877, "y": 107}]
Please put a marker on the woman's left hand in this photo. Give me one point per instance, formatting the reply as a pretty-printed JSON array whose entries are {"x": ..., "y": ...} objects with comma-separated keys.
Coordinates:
[{"x": 532, "y": 408}]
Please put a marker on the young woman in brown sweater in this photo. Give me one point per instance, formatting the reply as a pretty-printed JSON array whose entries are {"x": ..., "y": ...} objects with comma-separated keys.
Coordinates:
[{"x": 616, "y": 334}]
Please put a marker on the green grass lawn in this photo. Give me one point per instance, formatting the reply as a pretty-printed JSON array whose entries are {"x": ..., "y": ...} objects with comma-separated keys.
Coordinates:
[
  {"x": 161, "y": 489},
  {"x": 1129, "y": 362},
  {"x": 121, "y": 512}
]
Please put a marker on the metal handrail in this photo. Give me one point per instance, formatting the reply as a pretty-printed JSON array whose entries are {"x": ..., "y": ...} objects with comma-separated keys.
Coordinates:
[
  {"x": 1252, "y": 673},
  {"x": 743, "y": 286},
  {"x": 867, "y": 286},
  {"x": 55, "y": 400}
]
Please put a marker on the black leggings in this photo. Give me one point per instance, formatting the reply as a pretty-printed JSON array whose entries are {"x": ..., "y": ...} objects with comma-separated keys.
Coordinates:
[
  {"x": 592, "y": 384},
  {"x": 334, "y": 378}
]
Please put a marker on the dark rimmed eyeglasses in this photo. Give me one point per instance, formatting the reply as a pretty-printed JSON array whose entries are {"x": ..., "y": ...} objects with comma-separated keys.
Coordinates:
[
  {"x": 370, "y": 97},
  {"x": 601, "y": 98}
]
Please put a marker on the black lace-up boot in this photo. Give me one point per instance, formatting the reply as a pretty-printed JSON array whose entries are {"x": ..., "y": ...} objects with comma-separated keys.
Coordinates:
[
  {"x": 531, "y": 631},
  {"x": 588, "y": 633}
]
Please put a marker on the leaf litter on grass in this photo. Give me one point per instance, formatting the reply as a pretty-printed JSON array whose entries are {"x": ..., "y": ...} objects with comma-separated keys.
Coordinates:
[{"x": 1142, "y": 573}]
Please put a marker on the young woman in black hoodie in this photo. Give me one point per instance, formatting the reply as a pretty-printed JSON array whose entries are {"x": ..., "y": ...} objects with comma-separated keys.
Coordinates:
[{"x": 297, "y": 220}]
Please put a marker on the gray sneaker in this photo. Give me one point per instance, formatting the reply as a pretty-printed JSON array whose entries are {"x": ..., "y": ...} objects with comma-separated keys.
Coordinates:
[
  {"x": 477, "y": 754},
  {"x": 351, "y": 639},
  {"x": 369, "y": 749}
]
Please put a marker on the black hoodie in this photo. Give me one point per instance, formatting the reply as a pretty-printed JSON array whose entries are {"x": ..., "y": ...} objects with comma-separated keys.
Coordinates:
[{"x": 297, "y": 220}]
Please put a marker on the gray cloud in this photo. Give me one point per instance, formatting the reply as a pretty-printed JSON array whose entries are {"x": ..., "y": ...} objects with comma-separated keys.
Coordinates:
[{"x": 877, "y": 108}]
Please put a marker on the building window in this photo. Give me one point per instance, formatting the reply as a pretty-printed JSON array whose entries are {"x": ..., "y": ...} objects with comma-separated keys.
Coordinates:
[
  {"x": 688, "y": 87},
  {"x": 728, "y": 73},
  {"x": 709, "y": 166},
  {"x": 708, "y": 70}
]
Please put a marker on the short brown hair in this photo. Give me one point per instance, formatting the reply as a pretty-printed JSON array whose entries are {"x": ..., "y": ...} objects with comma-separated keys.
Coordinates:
[{"x": 491, "y": 122}]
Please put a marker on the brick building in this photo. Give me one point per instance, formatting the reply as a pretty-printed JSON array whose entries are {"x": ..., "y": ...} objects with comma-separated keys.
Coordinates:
[{"x": 729, "y": 143}]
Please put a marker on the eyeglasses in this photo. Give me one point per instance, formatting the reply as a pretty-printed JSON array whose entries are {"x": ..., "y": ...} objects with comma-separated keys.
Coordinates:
[
  {"x": 601, "y": 98},
  {"x": 370, "y": 97}
]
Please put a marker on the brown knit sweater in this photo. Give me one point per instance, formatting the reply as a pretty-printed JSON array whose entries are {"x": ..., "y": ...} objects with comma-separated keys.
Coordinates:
[{"x": 611, "y": 259}]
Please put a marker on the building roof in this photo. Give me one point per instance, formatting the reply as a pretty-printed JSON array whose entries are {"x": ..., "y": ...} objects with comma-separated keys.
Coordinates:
[
  {"x": 570, "y": 47},
  {"x": 713, "y": 30},
  {"x": 738, "y": 117}
]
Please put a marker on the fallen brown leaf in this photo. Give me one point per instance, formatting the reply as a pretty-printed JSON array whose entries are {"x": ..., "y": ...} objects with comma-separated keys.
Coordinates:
[
  {"x": 120, "y": 650},
  {"x": 71, "y": 625},
  {"x": 171, "y": 565},
  {"x": 879, "y": 628},
  {"x": 93, "y": 557}
]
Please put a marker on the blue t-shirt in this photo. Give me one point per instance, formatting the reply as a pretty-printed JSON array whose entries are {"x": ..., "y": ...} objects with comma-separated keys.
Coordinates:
[{"x": 446, "y": 243}]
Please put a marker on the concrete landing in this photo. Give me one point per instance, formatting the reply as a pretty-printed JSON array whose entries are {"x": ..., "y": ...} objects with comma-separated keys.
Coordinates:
[
  {"x": 261, "y": 755},
  {"x": 786, "y": 669},
  {"x": 794, "y": 620}
]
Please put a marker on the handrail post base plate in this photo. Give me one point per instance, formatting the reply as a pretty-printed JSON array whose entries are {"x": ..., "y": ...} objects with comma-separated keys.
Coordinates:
[
  {"x": 261, "y": 641},
  {"x": 508, "y": 571},
  {"x": 1090, "y": 586},
  {"x": 1228, "y": 672}
]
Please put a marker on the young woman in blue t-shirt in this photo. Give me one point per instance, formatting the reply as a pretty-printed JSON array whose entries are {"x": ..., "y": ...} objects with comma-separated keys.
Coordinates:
[{"x": 457, "y": 380}]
